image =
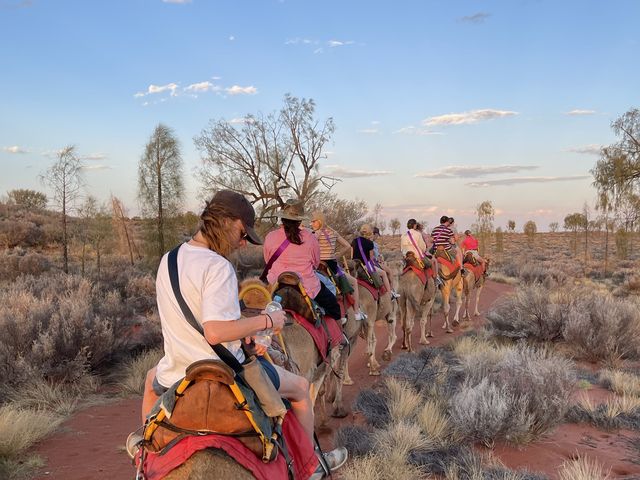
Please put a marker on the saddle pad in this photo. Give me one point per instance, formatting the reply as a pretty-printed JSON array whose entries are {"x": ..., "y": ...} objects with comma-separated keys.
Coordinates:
[
  {"x": 449, "y": 264},
  {"x": 319, "y": 334},
  {"x": 476, "y": 269},
  {"x": 300, "y": 448},
  {"x": 372, "y": 290},
  {"x": 419, "y": 272},
  {"x": 345, "y": 303}
]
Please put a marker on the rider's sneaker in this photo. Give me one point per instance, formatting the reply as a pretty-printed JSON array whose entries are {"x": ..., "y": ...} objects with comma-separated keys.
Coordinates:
[
  {"x": 394, "y": 295},
  {"x": 343, "y": 321},
  {"x": 463, "y": 271},
  {"x": 439, "y": 282},
  {"x": 133, "y": 444},
  {"x": 335, "y": 459},
  {"x": 360, "y": 315}
]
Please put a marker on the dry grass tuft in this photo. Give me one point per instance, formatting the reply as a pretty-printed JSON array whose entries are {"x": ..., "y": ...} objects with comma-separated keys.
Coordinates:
[
  {"x": 620, "y": 382},
  {"x": 435, "y": 424},
  {"x": 582, "y": 468},
  {"x": 60, "y": 398},
  {"x": 21, "y": 428},
  {"x": 134, "y": 372},
  {"x": 404, "y": 402},
  {"x": 379, "y": 467}
]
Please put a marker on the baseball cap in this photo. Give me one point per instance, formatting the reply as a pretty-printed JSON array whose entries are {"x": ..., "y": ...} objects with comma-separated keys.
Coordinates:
[{"x": 240, "y": 207}]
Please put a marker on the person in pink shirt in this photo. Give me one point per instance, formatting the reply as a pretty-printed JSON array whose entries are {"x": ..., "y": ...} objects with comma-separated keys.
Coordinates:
[
  {"x": 292, "y": 248},
  {"x": 470, "y": 244}
]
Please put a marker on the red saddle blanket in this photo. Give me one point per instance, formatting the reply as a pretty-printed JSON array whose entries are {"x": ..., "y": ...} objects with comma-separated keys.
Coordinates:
[
  {"x": 422, "y": 275},
  {"x": 157, "y": 466},
  {"x": 447, "y": 263},
  {"x": 345, "y": 303},
  {"x": 476, "y": 270},
  {"x": 319, "y": 334},
  {"x": 374, "y": 293}
]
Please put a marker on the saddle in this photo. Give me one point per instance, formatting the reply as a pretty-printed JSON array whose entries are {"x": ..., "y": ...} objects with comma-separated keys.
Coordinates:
[
  {"x": 444, "y": 258},
  {"x": 204, "y": 402},
  {"x": 469, "y": 258},
  {"x": 411, "y": 263},
  {"x": 372, "y": 278},
  {"x": 288, "y": 288},
  {"x": 343, "y": 287}
]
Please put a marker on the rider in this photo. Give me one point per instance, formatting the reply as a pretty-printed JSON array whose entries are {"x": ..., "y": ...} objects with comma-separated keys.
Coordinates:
[
  {"x": 210, "y": 289},
  {"x": 455, "y": 247},
  {"x": 444, "y": 238},
  {"x": 415, "y": 232},
  {"x": 301, "y": 254},
  {"x": 328, "y": 239},
  {"x": 362, "y": 249},
  {"x": 470, "y": 245}
]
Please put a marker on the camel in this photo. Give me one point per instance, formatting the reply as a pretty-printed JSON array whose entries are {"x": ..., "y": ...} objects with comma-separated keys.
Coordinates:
[
  {"x": 384, "y": 310},
  {"x": 452, "y": 280},
  {"x": 416, "y": 299},
  {"x": 209, "y": 464},
  {"x": 471, "y": 282}
]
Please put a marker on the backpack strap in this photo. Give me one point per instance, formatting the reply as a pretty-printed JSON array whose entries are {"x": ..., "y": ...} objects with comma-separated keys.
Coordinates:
[
  {"x": 225, "y": 355},
  {"x": 283, "y": 246}
]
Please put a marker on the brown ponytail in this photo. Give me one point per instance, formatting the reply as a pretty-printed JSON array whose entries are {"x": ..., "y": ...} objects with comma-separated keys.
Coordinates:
[{"x": 292, "y": 230}]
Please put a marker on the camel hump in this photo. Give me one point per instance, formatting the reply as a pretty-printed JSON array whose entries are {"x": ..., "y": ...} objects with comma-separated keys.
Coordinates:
[{"x": 209, "y": 369}]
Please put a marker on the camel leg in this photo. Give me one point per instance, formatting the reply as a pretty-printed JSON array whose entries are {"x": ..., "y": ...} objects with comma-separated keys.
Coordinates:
[
  {"x": 456, "y": 317},
  {"x": 391, "y": 336},
  {"x": 346, "y": 379},
  {"x": 425, "y": 323},
  {"x": 338, "y": 409},
  {"x": 408, "y": 324},
  {"x": 446, "y": 307},
  {"x": 404, "y": 314},
  {"x": 466, "y": 304},
  {"x": 374, "y": 366},
  {"x": 477, "y": 312}
]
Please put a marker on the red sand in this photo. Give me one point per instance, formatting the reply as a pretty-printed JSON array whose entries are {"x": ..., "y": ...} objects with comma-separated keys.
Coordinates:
[{"x": 90, "y": 445}]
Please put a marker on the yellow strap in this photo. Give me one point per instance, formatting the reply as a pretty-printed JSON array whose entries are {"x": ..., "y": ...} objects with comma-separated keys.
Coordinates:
[
  {"x": 152, "y": 425},
  {"x": 266, "y": 444}
]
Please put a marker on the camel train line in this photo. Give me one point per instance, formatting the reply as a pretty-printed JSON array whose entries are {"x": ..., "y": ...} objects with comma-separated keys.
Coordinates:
[{"x": 187, "y": 435}]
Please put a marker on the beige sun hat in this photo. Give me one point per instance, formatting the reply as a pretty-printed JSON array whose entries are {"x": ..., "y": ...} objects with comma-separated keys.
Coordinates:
[
  {"x": 366, "y": 231},
  {"x": 293, "y": 210}
]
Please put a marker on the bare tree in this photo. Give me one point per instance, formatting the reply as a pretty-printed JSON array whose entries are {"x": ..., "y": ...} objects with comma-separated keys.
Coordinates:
[
  {"x": 64, "y": 177},
  {"x": 269, "y": 157},
  {"x": 511, "y": 226},
  {"x": 553, "y": 227},
  {"x": 394, "y": 225},
  {"x": 160, "y": 185},
  {"x": 121, "y": 226},
  {"x": 342, "y": 215}
]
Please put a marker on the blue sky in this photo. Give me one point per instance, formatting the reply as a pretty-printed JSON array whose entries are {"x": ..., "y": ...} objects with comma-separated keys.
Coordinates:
[{"x": 438, "y": 105}]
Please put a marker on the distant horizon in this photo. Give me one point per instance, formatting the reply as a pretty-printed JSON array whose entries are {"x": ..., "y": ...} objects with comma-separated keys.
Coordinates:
[{"x": 437, "y": 107}]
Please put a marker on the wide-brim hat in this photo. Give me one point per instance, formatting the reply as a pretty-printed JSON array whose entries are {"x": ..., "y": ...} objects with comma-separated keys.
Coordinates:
[
  {"x": 293, "y": 210},
  {"x": 240, "y": 207}
]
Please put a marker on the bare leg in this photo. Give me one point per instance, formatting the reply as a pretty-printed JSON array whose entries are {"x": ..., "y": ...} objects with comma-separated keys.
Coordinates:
[
  {"x": 149, "y": 397},
  {"x": 297, "y": 390},
  {"x": 385, "y": 279}
]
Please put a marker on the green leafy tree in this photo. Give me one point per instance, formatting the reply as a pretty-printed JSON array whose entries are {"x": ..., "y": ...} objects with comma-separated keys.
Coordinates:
[
  {"x": 64, "y": 177},
  {"x": 29, "y": 199},
  {"x": 394, "y": 225},
  {"x": 160, "y": 184},
  {"x": 268, "y": 158},
  {"x": 345, "y": 216},
  {"x": 530, "y": 229},
  {"x": 485, "y": 214},
  {"x": 573, "y": 222}
]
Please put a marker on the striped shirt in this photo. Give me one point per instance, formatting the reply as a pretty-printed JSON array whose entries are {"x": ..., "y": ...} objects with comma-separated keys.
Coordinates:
[
  {"x": 442, "y": 235},
  {"x": 327, "y": 238}
]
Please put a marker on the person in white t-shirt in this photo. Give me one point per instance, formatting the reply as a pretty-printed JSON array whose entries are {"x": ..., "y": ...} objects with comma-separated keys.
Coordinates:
[{"x": 209, "y": 286}]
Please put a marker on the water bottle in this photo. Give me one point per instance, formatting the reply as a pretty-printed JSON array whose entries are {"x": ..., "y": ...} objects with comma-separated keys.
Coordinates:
[{"x": 263, "y": 337}]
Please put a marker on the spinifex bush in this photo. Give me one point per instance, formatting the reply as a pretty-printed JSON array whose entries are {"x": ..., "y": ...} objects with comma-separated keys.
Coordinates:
[
  {"x": 60, "y": 327},
  {"x": 516, "y": 396}
]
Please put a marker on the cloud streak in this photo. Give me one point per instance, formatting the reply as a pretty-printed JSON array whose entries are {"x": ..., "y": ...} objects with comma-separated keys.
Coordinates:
[
  {"x": 591, "y": 149},
  {"x": 96, "y": 167},
  {"x": 154, "y": 89},
  {"x": 578, "y": 112},
  {"x": 15, "y": 149},
  {"x": 238, "y": 90},
  {"x": 476, "y": 18},
  {"x": 473, "y": 171},
  {"x": 521, "y": 180},
  {"x": 417, "y": 131},
  {"x": 342, "y": 172},
  {"x": 467, "y": 118}
]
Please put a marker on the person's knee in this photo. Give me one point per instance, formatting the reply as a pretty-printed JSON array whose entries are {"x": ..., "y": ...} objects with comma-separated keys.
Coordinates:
[{"x": 148, "y": 381}]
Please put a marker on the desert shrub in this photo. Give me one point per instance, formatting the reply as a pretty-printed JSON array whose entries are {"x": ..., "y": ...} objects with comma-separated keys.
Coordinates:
[
  {"x": 529, "y": 313},
  {"x": 248, "y": 262},
  {"x": 61, "y": 327},
  {"x": 517, "y": 395},
  {"x": 531, "y": 273},
  {"x": 22, "y": 428},
  {"x": 17, "y": 261},
  {"x": 600, "y": 327},
  {"x": 618, "y": 412},
  {"x": 357, "y": 440}
]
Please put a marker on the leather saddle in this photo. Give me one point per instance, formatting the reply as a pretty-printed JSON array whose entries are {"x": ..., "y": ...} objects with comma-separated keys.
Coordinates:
[{"x": 288, "y": 288}]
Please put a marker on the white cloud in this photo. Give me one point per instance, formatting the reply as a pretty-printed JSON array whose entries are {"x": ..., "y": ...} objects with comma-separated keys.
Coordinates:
[
  {"x": 479, "y": 17},
  {"x": 304, "y": 41},
  {"x": 520, "y": 180},
  {"x": 177, "y": 2},
  {"x": 238, "y": 90},
  {"x": 94, "y": 156},
  {"x": 153, "y": 89},
  {"x": 231, "y": 38},
  {"x": 318, "y": 50},
  {"x": 96, "y": 167},
  {"x": 465, "y": 118},
  {"x": 241, "y": 120},
  {"x": 421, "y": 132},
  {"x": 15, "y": 149},
  {"x": 579, "y": 111},
  {"x": 202, "y": 87},
  {"x": 339, "y": 43},
  {"x": 369, "y": 131},
  {"x": 472, "y": 171},
  {"x": 342, "y": 172},
  {"x": 591, "y": 149}
]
